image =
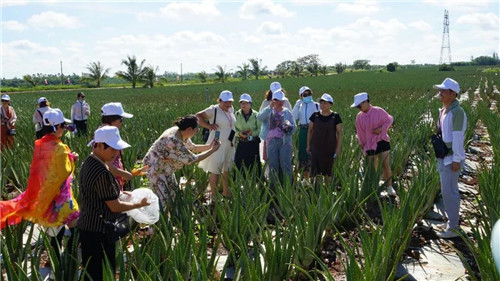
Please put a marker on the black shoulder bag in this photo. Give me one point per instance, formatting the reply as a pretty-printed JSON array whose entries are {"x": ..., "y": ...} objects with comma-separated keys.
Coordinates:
[
  {"x": 440, "y": 148},
  {"x": 206, "y": 132},
  {"x": 117, "y": 229}
]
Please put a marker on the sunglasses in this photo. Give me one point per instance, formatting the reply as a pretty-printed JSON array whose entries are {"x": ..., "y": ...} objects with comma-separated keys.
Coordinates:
[
  {"x": 5, "y": 101},
  {"x": 306, "y": 94}
]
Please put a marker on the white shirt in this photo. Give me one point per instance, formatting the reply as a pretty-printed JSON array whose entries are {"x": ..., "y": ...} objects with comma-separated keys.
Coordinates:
[
  {"x": 453, "y": 122},
  {"x": 38, "y": 117},
  {"x": 303, "y": 111},
  {"x": 80, "y": 111}
]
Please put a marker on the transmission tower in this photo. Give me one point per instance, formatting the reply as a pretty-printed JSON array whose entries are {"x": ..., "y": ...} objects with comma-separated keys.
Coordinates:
[{"x": 445, "y": 44}]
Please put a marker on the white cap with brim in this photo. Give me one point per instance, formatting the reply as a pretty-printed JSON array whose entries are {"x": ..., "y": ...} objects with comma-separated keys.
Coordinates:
[
  {"x": 303, "y": 89},
  {"x": 326, "y": 97},
  {"x": 279, "y": 95},
  {"x": 5, "y": 97},
  {"x": 359, "y": 98},
  {"x": 226, "y": 96},
  {"x": 245, "y": 97},
  {"x": 449, "y": 84},
  {"x": 275, "y": 86},
  {"x": 115, "y": 108},
  {"x": 53, "y": 117},
  {"x": 42, "y": 99},
  {"x": 109, "y": 135}
]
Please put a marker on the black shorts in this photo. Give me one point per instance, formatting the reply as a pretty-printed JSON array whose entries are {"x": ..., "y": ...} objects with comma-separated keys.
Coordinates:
[{"x": 381, "y": 147}]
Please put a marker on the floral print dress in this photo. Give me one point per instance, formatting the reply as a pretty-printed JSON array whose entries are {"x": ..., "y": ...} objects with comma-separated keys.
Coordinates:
[{"x": 167, "y": 155}]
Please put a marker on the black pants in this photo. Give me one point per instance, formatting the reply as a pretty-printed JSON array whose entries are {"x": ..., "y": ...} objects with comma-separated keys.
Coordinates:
[
  {"x": 95, "y": 247},
  {"x": 81, "y": 126},
  {"x": 247, "y": 155},
  {"x": 56, "y": 242}
]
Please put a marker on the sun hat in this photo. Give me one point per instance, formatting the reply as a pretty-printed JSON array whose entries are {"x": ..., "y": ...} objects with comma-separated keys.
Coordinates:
[
  {"x": 359, "y": 98},
  {"x": 226, "y": 96},
  {"x": 275, "y": 86},
  {"x": 114, "y": 108},
  {"x": 42, "y": 99},
  {"x": 5, "y": 97},
  {"x": 327, "y": 97},
  {"x": 53, "y": 117},
  {"x": 245, "y": 97},
  {"x": 109, "y": 135},
  {"x": 279, "y": 95},
  {"x": 449, "y": 84},
  {"x": 303, "y": 89}
]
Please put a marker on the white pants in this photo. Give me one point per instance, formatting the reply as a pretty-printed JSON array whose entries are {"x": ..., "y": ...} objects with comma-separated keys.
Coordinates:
[{"x": 449, "y": 189}]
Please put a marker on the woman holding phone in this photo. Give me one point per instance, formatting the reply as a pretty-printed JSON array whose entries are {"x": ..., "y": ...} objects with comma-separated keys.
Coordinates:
[{"x": 219, "y": 118}]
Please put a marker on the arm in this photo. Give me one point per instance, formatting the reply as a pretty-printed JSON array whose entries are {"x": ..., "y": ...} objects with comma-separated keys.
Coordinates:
[
  {"x": 13, "y": 118},
  {"x": 459, "y": 121},
  {"x": 293, "y": 124},
  {"x": 126, "y": 175},
  {"x": 73, "y": 113},
  {"x": 202, "y": 120},
  {"x": 87, "y": 109},
  {"x": 360, "y": 133},
  {"x": 263, "y": 115},
  {"x": 258, "y": 124},
  {"x": 387, "y": 122},
  {"x": 200, "y": 148},
  {"x": 295, "y": 110},
  {"x": 214, "y": 146},
  {"x": 117, "y": 206},
  {"x": 309, "y": 136},
  {"x": 339, "y": 138}
]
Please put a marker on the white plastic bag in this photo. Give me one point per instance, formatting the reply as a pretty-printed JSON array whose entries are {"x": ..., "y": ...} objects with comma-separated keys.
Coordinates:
[{"x": 148, "y": 214}]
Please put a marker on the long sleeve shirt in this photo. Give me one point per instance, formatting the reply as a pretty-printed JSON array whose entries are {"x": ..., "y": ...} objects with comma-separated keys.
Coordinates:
[
  {"x": 9, "y": 116},
  {"x": 38, "y": 117},
  {"x": 303, "y": 111},
  {"x": 374, "y": 118},
  {"x": 80, "y": 111},
  {"x": 265, "y": 116},
  {"x": 453, "y": 123},
  {"x": 253, "y": 123}
]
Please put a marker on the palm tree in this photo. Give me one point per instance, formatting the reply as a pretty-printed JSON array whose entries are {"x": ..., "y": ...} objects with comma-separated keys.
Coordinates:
[
  {"x": 221, "y": 73},
  {"x": 30, "y": 79},
  {"x": 150, "y": 75},
  {"x": 134, "y": 73},
  {"x": 257, "y": 68},
  {"x": 96, "y": 73},
  {"x": 203, "y": 76},
  {"x": 296, "y": 69},
  {"x": 243, "y": 71}
]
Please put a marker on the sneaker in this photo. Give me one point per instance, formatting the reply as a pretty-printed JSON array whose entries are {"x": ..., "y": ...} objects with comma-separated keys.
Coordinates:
[
  {"x": 447, "y": 234},
  {"x": 391, "y": 191}
]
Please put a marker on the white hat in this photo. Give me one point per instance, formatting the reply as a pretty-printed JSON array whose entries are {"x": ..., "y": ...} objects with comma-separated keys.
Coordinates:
[
  {"x": 53, "y": 117},
  {"x": 110, "y": 136},
  {"x": 245, "y": 97},
  {"x": 42, "y": 99},
  {"x": 303, "y": 89},
  {"x": 327, "y": 97},
  {"x": 279, "y": 95},
  {"x": 5, "y": 97},
  {"x": 114, "y": 108},
  {"x": 226, "y": 96},
  {"x": 450, "y": 84},
  {"x": 359, "y": 98},
  {"x": 275, "y": 86}
]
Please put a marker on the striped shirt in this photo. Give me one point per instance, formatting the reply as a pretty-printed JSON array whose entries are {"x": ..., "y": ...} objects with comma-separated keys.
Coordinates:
[{"x": 97, "y": 185}]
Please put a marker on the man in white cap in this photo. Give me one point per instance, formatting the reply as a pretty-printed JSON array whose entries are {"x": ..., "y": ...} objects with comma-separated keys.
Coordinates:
[
  {"x": 99, "y": 201},
  {"x": 304, "y": 108},
  {"x": 80, "y": 111},
  {"x": 372, "y": 124},
  {"x": 247, "y": 129},
  {"x": 42, "y": 106},
  {"x": 452, "y": 125},
  {"x": 219, "y": 118},
  {"x": 8, "y": 119}
]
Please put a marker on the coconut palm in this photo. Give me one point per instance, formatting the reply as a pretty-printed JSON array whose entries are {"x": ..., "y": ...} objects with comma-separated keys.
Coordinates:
[
  {"x": 134, "y": 73},
  {"x": 30, "y": 79},
  {"x": 257, "y": 68},
  {"x": 243, "y": 71},
  {"x": 97, "y": 73},
  {"x": 150, "y": 75},
  {"x": 221, "y": 73},
  {"x": 203, "y": 76}
]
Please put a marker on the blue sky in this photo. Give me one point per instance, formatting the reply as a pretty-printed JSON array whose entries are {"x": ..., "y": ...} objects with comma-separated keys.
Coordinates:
[{"x": 37, "y": 35}]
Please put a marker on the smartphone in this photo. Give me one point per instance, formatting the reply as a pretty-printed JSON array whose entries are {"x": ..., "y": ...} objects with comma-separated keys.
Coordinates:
[{"x": 217, "y": 135}]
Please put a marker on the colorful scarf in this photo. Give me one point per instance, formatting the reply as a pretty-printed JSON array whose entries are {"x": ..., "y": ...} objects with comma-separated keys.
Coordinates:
[{"x": 48, "y": 199}]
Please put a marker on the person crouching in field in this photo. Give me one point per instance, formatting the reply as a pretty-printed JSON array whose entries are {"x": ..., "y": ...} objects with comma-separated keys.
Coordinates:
[
  {"x": 172, "y": 151},
  {"x": 372, "y": 124},
  {"x": 324, "y": 138}
]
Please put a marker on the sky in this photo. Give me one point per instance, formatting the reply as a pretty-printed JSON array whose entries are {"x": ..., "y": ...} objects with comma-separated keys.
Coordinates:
[{"x": 38, "y": 35}]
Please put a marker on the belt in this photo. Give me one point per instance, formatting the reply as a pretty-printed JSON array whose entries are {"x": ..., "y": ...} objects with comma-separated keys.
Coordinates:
[{"x": 302, "y": 126}]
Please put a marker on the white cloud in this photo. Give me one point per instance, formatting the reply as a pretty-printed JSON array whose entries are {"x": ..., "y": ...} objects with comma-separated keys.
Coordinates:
[
  {"x": 253, "y": 9},
  {"x": 251, "y": 38},
  {"x": 420, "y": 25},
  {"x": 361, "y": 7},
  {"x": 458, "y": 5},
  {"x": 487, "y": 21},
  {"x": 51, "y": 19},
  {"x": 271, "y": 28},
  {"x": 144, "y": 16},
  {"x": 181, "y": 10},
  {"x": 13, "y": 25},
  {"x": 10, "y": 3}
]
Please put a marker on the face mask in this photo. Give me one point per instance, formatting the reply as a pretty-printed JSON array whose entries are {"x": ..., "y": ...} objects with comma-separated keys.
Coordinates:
[{"x": 307, "y": 99}]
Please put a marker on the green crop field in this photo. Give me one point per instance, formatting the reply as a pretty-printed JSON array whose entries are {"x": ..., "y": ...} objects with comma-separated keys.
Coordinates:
[{"x": 290, "y": 249}]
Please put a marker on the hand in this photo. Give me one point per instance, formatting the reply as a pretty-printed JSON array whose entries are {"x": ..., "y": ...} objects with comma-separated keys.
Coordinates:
[
  {"x": 127, "y": 193},
  {"x": 215, "y": 145},
  {"x": 377, "y": 130},
  {"x": 139, "y": 172},
  {"x": 455, "y": 166},
  {"x": 143, "y": 203},
  {"x": 243, "y": 135},
  {"x": 249, "y": 132},
  {"x": 213, "y": 127}
]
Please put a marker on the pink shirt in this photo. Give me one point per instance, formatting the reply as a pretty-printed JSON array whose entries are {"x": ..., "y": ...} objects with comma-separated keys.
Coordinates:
[{"x": 366, "y": 122}]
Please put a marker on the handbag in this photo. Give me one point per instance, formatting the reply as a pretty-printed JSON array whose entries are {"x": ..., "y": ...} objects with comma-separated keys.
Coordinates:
[
  {"x": 440, "y": 148},
  {"x": 206, "y": 132},
  {"x": 117, "y": 229}
]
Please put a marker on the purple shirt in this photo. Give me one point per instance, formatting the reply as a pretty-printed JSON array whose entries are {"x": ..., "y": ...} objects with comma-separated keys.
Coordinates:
[
  {"x": 276, "y": 122},
  {"x": 376, "y": 117}
]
